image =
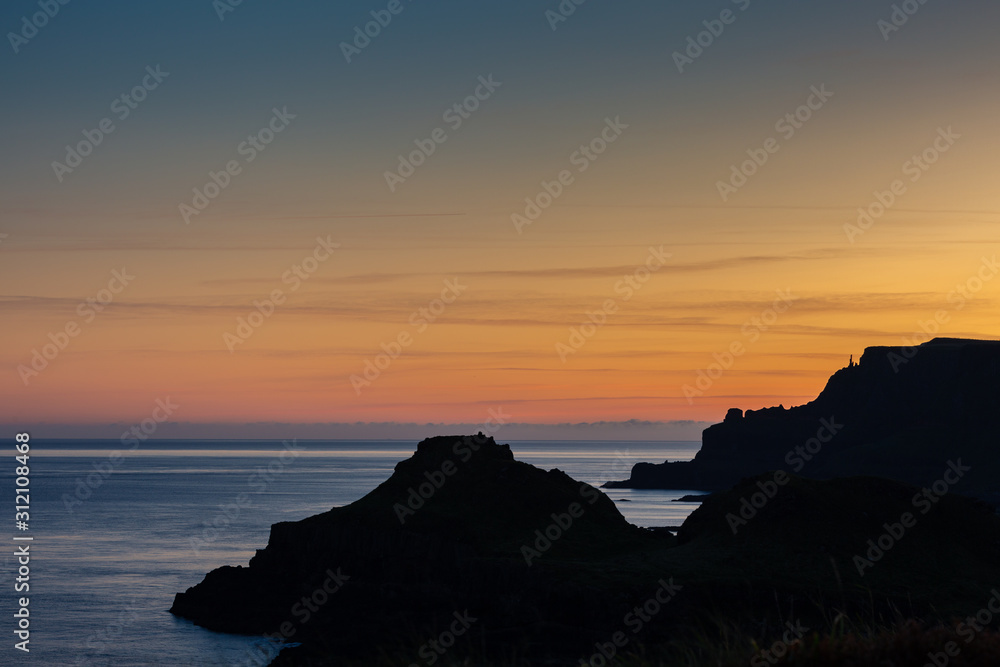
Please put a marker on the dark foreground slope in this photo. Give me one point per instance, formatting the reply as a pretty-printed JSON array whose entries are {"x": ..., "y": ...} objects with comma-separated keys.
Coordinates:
[
  {"x": 901, "y": 413},
  {"x": 413, "y": 562},
  {"x": 466, "y": 575}
]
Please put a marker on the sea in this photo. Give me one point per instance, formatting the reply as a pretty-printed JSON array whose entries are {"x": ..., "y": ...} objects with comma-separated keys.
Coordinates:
[{"x": 115, "y": 533}]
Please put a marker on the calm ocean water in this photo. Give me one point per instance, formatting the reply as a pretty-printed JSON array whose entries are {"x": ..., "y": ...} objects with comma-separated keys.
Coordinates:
[{"x": 104, "y": 571}]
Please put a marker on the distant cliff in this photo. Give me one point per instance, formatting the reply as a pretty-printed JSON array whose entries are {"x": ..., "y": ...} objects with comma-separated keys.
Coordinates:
[{"x": 901, "y": 413}]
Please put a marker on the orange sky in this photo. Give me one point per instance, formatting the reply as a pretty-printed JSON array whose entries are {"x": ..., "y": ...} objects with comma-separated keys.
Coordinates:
[
  {"x": 656, "y": 185},
  {"x": 496, "y": 343}
]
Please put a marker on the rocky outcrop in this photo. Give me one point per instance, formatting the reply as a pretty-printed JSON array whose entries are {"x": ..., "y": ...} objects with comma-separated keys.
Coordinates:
[
  {"x": 466, "y": 556},
  {"x": 900, "y": 413},
  {"x": 459, "y": 527}
]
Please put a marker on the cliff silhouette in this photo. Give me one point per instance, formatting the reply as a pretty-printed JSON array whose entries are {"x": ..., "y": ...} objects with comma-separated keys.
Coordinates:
[
  {"x": 524, "y": 566},
  {"x": 900, "y": 413},
  {"x": 458, "y": 527}
]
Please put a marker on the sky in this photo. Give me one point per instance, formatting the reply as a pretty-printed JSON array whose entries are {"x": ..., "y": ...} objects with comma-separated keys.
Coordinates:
[{"x": 634, "y": 213}]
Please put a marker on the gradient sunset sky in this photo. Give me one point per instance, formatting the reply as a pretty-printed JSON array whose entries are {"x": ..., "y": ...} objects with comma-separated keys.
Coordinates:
[{"x": 932, "y": 85}]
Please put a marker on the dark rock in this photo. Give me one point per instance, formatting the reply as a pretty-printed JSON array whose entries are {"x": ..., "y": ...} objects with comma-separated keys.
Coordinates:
[
  {"x": 691, "y": 498},
  {"x": 899, "y": 413},
  {"x": 462, "y": 548},
  {"x": 393, "y": 585}
]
